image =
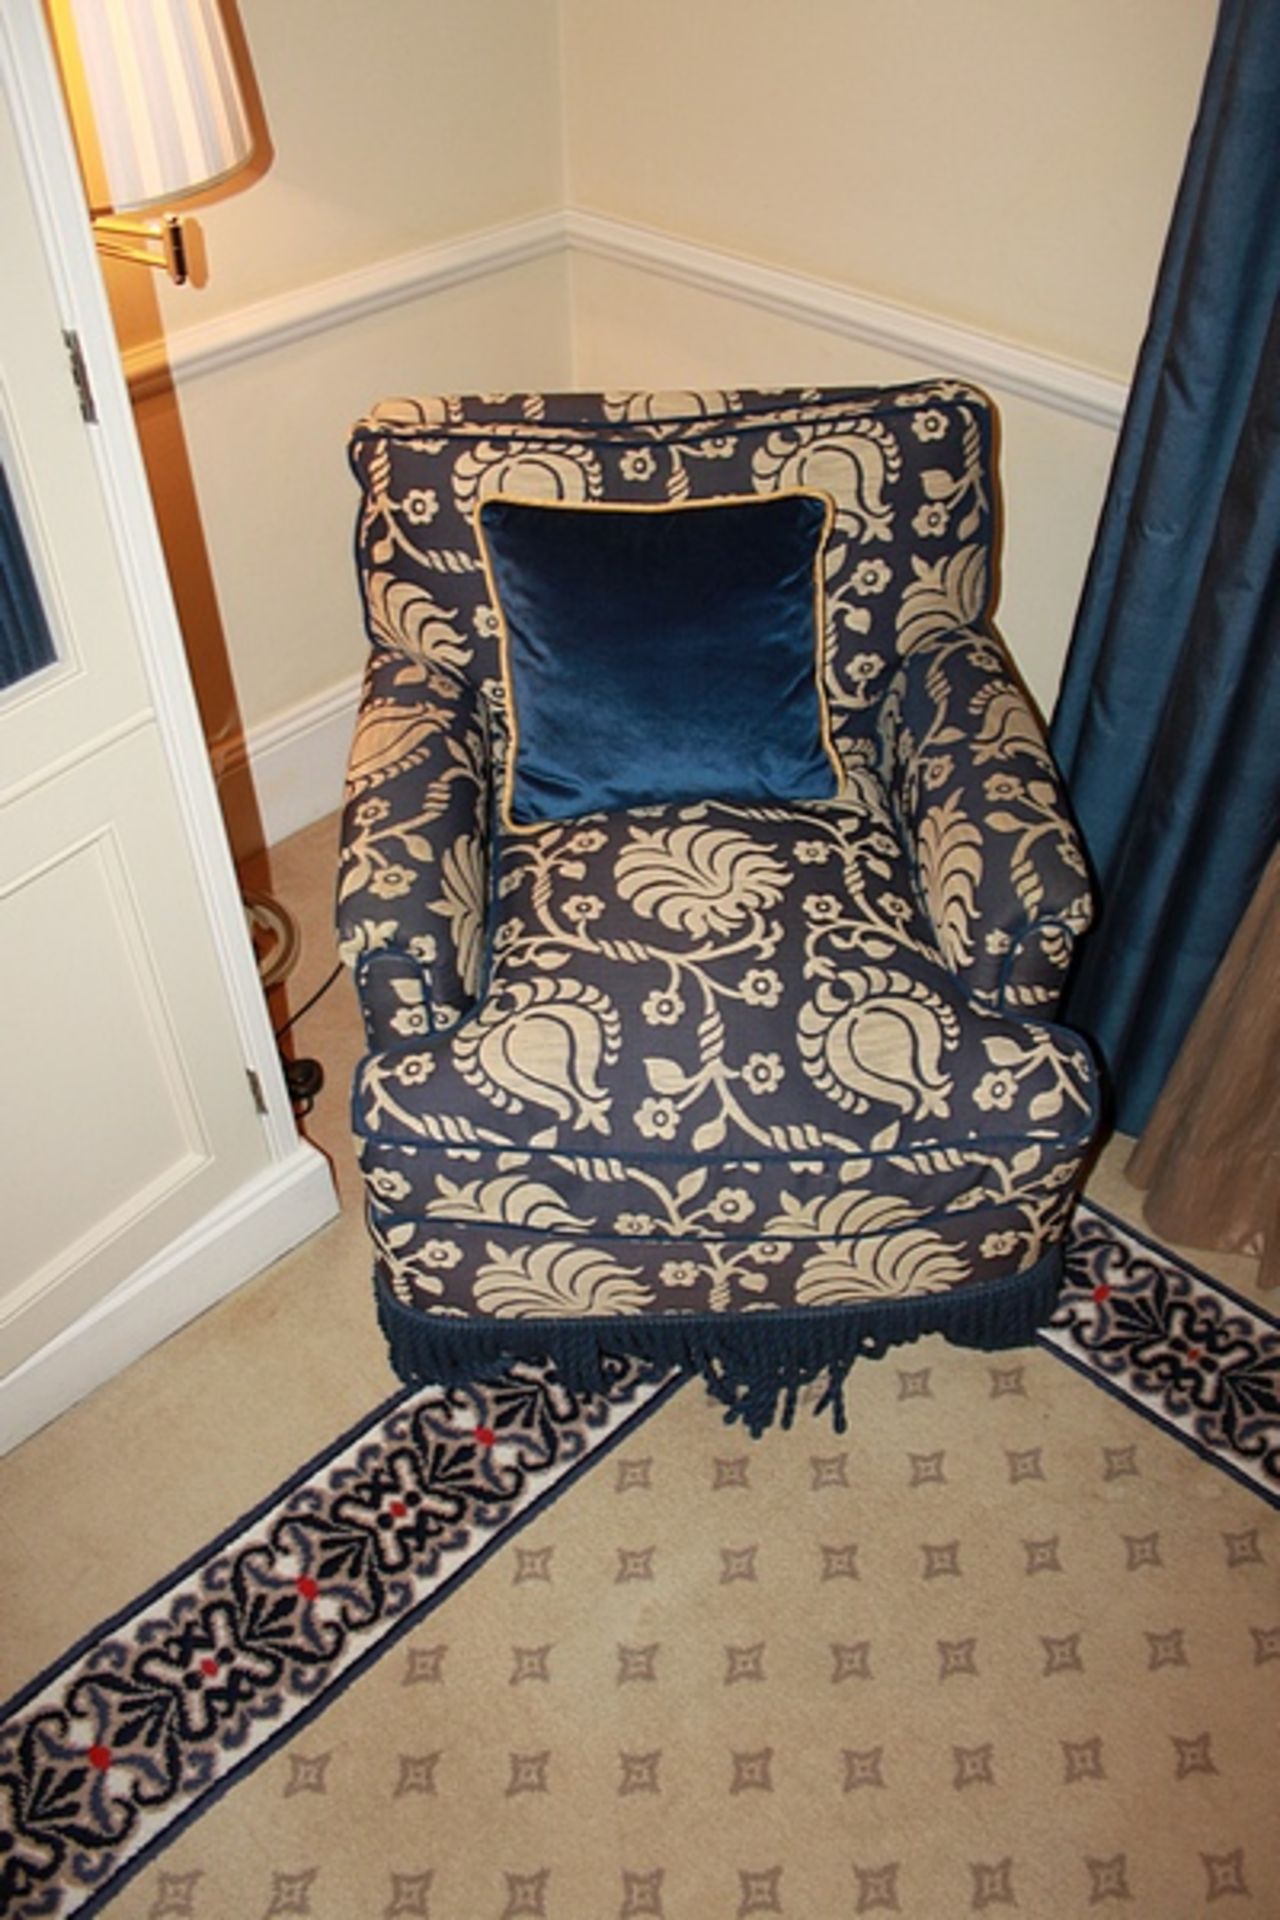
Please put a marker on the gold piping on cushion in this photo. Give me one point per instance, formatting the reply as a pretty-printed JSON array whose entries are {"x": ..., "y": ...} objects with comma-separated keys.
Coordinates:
[{"x": 510, "y": 824}]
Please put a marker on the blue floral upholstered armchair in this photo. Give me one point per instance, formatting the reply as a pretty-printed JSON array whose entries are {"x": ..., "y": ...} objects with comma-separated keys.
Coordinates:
[{"x": 708, "y": 888}]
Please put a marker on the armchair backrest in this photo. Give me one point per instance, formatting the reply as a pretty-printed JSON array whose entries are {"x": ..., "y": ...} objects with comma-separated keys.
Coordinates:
[{"x": 910, "y": 471}]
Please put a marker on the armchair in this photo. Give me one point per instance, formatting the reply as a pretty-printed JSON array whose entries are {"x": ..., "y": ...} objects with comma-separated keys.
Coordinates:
[{"x": 745, "y": 1085}]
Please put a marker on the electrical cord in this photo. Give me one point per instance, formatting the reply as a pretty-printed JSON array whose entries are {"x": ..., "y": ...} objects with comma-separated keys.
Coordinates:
[
  {"x": 304, "y": 1077},
  {"x": 307, "y": 1005}
]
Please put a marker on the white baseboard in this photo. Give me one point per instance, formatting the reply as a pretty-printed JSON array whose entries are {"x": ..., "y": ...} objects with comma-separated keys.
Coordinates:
[
  {"x": 262, "y": 1220},
  {"x": 294, "y": 762},
  {"x": 943, "y": 346},
  {"x": 190, "y": 352}
]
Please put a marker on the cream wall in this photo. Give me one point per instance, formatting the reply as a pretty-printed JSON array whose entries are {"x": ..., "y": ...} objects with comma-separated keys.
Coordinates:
[
  {"x": 991, "y": 177},
  {"x": 1003, "y": 167},
  {"x": 1009, "y": 164}
]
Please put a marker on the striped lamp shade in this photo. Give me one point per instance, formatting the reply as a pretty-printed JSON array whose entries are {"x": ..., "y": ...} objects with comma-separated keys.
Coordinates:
[{"x": 167, "y": 107}]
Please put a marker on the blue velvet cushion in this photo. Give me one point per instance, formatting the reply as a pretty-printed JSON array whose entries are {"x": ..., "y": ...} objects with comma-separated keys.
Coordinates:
[{"x": 659, "y": 654}]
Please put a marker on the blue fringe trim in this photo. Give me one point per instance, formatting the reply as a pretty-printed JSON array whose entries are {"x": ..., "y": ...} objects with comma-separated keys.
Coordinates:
[{"x": 754, "y": 1364}]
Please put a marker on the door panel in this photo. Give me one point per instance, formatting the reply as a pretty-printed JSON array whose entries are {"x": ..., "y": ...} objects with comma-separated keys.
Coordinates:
[
  {"x": 97, "y": 1004},
  {"x": 126, "y": 1115}
]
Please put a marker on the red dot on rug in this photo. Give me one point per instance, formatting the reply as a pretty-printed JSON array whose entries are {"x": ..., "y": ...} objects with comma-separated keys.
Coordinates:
[
  {"x": 1102, "y": 1292},
  {"x": 209, "y": 1665},
  {"x": 100, "y": 1757},
  {"x": 307, "y": 1587},
  {"x": 399, "y": 1509},
  {"x": 486, "y": 1436},
  {"x": 1195, "y": 1353}
]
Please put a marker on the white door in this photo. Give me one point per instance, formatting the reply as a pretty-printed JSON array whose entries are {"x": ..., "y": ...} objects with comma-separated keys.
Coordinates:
[{"x": 127, "y": 1110}]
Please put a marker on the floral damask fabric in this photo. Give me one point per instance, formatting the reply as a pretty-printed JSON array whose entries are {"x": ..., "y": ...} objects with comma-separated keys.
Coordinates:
[
  {"x": 976, "y": 794},
  {"x": 710, "y": 1059}
]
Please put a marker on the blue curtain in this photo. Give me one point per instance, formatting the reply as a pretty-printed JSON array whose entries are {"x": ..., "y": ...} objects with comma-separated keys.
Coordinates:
[{"x": 1168, "y": 724}]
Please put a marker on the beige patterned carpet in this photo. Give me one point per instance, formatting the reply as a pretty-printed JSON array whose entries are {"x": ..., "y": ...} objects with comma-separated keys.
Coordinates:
[{"x": 1005, "y": 1645}]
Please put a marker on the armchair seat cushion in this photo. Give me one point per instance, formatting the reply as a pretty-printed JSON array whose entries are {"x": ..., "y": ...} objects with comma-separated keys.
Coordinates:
[{"x": 718, "y": 1064}]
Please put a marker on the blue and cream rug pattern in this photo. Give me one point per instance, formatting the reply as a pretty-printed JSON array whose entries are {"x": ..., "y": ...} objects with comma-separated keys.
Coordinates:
[{"x": 1008, "y": 1643}]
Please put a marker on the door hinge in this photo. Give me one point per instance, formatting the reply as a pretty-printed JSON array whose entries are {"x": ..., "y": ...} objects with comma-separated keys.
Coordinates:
[
  {"x": 80, "y": 374},
  {"x": 255, "y": 1088}
]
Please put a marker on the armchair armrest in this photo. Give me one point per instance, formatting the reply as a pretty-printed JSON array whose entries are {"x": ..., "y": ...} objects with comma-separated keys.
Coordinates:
[
  {"x": 982, "y": 809},
  {"x": 413, "y": 869}
]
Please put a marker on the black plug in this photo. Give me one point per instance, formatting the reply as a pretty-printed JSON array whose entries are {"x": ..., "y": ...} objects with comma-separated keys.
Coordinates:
[{"x": 304, "y": 1079}]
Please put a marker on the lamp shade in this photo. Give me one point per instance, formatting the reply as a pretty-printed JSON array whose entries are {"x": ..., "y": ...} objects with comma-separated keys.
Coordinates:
[{"x": 167, "y": 108}]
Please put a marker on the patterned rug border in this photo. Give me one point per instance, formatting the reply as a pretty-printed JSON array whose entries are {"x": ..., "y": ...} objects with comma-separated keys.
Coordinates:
[
  {"x": 1155, "y": 1383},
  {"x": 244, "y": 1523},
  {"x": 1257, "y": 1308},
  {"x": 1121, "y": 1338},
  {"x": 633, "y": 1400}
]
